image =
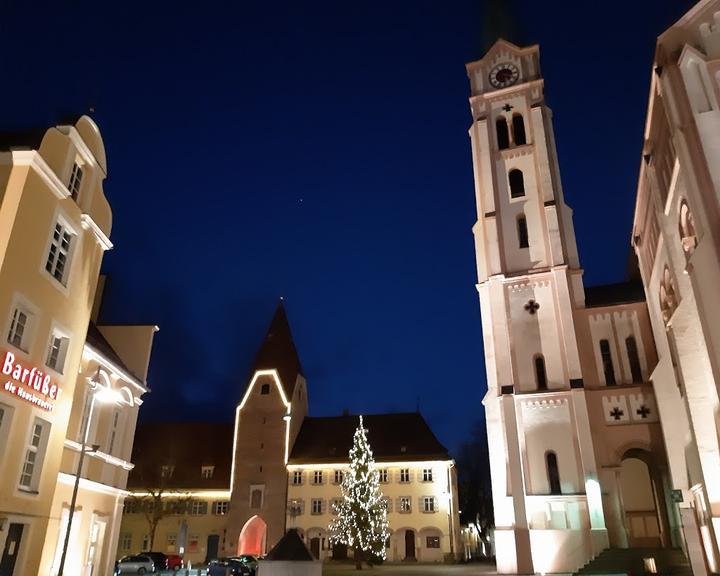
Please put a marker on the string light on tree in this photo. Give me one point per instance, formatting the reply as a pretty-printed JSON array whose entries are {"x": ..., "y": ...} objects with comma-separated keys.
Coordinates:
[{"x": 361, "y": 522}]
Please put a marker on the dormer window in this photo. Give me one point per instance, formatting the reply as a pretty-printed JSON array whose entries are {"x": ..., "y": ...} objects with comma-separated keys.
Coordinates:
[
  {"x": 265, "y": 389},
  {"x": 206, "y": 472},
  {"x": 75, "y": 180},
  {"x": 166, "y": 471}
]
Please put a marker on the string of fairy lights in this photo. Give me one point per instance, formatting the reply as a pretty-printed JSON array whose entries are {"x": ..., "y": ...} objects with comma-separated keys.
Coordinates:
[{"x": 362, "y": 522}]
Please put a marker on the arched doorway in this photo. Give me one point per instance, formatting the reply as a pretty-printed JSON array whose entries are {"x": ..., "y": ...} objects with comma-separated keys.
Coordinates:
[
  {"x": 409, "y": 545},
  {"x": 643, "y": 500},
  {"x": 252, "y": 537}
]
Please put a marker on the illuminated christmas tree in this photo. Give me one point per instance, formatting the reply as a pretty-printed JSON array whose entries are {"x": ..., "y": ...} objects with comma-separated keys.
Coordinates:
[{"x": 361, "y": 522}]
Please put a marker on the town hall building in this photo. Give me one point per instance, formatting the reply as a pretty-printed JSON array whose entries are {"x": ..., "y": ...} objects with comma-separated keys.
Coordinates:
[{"x": 210, "y": 490}]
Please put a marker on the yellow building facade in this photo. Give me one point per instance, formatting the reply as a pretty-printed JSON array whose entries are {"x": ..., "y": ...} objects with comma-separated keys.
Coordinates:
[{"x": 54, "y": 229}]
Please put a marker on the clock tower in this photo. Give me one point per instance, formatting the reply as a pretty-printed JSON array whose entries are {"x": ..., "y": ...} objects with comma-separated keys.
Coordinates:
[{"x": 548, "y": 506}]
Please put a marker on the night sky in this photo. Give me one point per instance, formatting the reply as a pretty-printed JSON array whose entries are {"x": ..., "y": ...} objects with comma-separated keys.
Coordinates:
[{"x": 319, "y": 151}]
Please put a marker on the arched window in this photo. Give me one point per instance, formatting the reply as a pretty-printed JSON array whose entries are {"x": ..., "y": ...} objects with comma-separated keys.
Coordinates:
[
  {"x": 553, "y": 473},
  {"x": 517, "y": 184},
  {"x": 523, "y": 240},
  {"x": 607, "y": 363},
  {"x": 668, "y": 300},
  {"x": 518, "y": 130},
  {"x": 503, "y": 135},
  {"x": 540, "y": 374},
  {"x": 634, "y": 359},
  {"x": 686, "y": 225}
]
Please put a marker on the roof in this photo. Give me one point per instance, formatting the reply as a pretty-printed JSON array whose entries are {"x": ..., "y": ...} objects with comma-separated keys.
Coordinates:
[
  {"x": 278, "y": 352},
  {"x": 291, "y": 547},
  {"x": 393, "y": 437},
  {"x": 99, "y": 342},
  {"x": 188, "y": 446},
  {"x": 614, "y": 294}
]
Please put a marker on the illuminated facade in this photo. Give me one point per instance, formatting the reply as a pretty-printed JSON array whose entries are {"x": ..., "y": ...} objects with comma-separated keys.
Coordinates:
[
  {"x": 55, "y": 224},
  {"x": 676, "y": 236},
  {"x": 275, "y": 468},
  {"x": 576, "y": 447}
]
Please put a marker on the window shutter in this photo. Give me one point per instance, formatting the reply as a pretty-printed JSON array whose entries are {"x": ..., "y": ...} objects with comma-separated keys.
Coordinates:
[
  {"x": 421, "y": 504},
  {"x": 397, "y": 476},
  {"x": 389, "y": 504},
  {"x": 398, "y": 504},
  {"x": 435, "y": 504}
]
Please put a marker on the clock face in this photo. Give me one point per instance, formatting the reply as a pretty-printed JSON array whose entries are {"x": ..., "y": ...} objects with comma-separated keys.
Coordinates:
[{"x": 504, "y": 75}]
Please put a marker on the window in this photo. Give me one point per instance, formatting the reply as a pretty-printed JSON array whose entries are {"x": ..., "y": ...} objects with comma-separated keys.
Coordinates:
[
  {"x": 5, "y": 417},
  {"x": 522, "y": 230},
  {"x": 428, "y": 504},
  {"x": 296, "y": 508},
  {"x": 297, "y": 477},
  {"x": 318, "y": 477},
  {"x": 383, "y": 476},
  {"x": 517, "y": 184},
  {"x": 265, "y": 389},
  {"x": 503, "y": 135},
  {"x": 206, "y": 472},
  {"x": 198, "y": 507},
  {"x": 316, "y": 506},
  {"x": 19, "y": 333},
  {"x": 171, "y": 541},
  {"x": 553, "y": 472},
  {"x": 540, "y": 374},
  {"x": 166, "y": 471},
  {"x": 75, "y": 180},
  {"x": 427, "y": 475},
  {"x": 131, "y": 507},
  {"x": 58, "y": 259},
  {"x": 686, "y": 225},
  {"x": 668, "y": 300},
  {"x": 518, "y": 130},
  {"x": 335, "y": 505},
  {"x": 193, "y": 543},
  {"x": 432, "y": 542},
  {"x": 146, "y": 542},
  {"x": 634, "y": 359},
  {"x": 34, "y": 455},
  {"x": 256, "y": 497},
  {"x": 125, "y": 541},
  {"x": 404, "y": 504},
  {"x": 57, "y": 350},
  {"x": 113, "y": 431},
  {"x": 405, "y": 475},
  {"x": 338, "y": 477},
  {"x": 220, "y": 508},
  {"x": 607, "y": 363}
]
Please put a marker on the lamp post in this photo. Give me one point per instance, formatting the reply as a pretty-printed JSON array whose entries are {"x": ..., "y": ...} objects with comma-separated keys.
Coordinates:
[{"x": 104, "y": 394}]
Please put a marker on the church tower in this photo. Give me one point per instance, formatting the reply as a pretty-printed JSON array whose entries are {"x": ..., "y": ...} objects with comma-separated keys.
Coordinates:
[
  {"x": 544, "y": 476},
  {"x": 267, "y": 421}
]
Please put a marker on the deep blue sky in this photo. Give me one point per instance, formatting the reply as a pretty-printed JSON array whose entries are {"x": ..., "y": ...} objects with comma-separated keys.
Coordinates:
[{"x": 319, "y": 151}]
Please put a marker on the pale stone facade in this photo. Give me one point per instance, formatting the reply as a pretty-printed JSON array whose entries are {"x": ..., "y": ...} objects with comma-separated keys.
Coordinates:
[
  {"x": 256, "y": 466},
  {"x": 676, "y": 236},
  {"x": 54, "y": 229},
  {"x": 421, "y": 499},
  {"x": 571, "y": 417}
]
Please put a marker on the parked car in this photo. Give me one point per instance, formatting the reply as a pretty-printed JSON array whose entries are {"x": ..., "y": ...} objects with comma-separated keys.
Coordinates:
[
  {"x": 230, "y": 567},
  {"x": 137, "y": 564},
  {"x": 175, "y": 562},
  {"x": 158, "y": 558},
  {"x": 250, "y": 561}
]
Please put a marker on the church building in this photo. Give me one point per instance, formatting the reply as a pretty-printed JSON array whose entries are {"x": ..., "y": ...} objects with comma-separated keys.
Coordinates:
[
  {"x": 209, "y": 490},
  {"x": 577, "y": 454}
]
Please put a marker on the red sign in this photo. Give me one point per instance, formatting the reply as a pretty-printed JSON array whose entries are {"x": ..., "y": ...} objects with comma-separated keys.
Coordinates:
[{"x": 30, "y": 384}]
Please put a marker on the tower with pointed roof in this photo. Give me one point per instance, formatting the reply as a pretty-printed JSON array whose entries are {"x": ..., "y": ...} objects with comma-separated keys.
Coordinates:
[
  {"x": 573, "y": 430},
  {"x": 267, "y": 421}
]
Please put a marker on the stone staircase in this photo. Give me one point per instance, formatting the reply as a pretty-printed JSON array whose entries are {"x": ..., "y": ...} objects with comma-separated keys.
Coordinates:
[{"x": 669, "y": 561}]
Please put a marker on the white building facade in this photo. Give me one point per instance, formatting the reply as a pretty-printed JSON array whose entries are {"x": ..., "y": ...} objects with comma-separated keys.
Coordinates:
[
  {"x": 676, "y": 236},
  {"x": 576, "y": 449}
]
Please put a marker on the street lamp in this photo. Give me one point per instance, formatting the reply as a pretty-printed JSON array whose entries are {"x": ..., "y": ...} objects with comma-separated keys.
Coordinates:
[{"x": 105, "y": 395}]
